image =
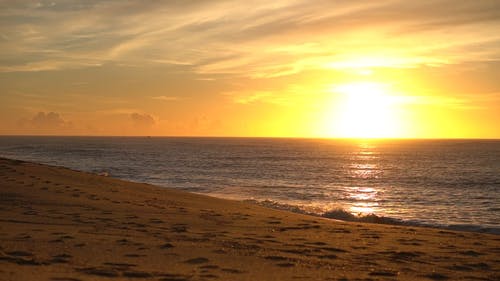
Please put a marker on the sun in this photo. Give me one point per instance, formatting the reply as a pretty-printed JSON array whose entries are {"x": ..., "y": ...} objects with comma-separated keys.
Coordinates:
[{"x": 364, "y": 110}]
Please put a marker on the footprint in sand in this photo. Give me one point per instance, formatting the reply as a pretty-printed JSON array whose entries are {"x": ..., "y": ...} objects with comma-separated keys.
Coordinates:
[
  {"x": 219, "y": 251},
  {"x": 286, "y": 264},
  {"x": 137, "y": 274},
  {"x": 276, "y": 258},
  {"x": 99, "y": 271},
  {"x": 133, "y": 255},
  {"x": 470, "y": 253},
  {"x": 232, "y": 270},
  {"x": 334, "y": 250},
  {"x": 61, "y": 258},
  {"x": 124, "y": 241},
  {"x": 179, "y": 228},
  {"x": 21, "y": 258},
  {"x": 22, "y": 236},
  {"x": 209, "y": 276},
  {"x": 173, "y": 277},
  {"x": 156, "y": 221},
  {"x": 436, "y": 276},
  {"x": 198, "y": 260},
  {"x": 209, "y": 266},
  {"x": 166, "y": 246},
  {"x": 30, "y": 213},
  {"x": 19, "y": 254}
]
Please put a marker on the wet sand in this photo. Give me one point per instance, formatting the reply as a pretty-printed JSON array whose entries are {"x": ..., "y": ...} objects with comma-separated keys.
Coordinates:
[{"x": 63, "y": 225}]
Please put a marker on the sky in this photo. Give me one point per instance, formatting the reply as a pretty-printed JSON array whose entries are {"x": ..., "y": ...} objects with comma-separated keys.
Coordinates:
[{"x": 336, "y": 68}]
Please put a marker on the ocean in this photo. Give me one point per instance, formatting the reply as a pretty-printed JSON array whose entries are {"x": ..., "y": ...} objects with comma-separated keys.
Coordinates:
[{"x": 453, "y": 184}]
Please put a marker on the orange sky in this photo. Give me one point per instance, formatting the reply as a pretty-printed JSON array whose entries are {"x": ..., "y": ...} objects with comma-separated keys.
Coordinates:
[{"x": 404, "y": 69}]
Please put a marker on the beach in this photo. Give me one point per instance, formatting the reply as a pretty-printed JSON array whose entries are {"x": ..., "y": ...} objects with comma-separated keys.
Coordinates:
[{"x": 65, "y": 225}]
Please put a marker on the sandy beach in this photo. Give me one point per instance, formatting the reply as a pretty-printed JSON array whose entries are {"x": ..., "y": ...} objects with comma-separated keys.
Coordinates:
[{"x": 63, "y": 225}]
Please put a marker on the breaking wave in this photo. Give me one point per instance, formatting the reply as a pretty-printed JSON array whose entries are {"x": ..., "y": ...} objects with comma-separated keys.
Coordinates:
[{"x": 343, "y": 215}]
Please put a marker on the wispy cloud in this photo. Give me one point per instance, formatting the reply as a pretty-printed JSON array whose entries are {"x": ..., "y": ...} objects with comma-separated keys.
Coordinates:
[
  {"x": 247, "y": 98},
  {"x": 258, "y": 38},
  {"x": 166, "y": 98}
]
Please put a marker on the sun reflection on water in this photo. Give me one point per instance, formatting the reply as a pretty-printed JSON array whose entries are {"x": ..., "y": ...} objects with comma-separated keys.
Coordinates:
[
  {"x": 359, "y": 209},
  {"x": 364, "y": 199},
  {"x": 364, "y": 171}
]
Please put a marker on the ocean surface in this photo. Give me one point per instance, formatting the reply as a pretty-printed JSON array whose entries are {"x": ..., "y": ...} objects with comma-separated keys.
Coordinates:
[{"x": 441, "y": 183}]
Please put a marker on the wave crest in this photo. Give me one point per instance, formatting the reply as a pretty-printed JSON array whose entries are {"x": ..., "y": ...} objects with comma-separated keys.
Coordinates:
[{"x": 343, "y": 215}]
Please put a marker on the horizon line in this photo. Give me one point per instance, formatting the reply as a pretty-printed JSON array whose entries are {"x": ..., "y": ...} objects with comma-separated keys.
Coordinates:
[{"x": 255, "y": 137}]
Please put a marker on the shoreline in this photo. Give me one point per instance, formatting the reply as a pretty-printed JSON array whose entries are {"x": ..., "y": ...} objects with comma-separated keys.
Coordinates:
[
  {"x": 61, "y": 224},
  {"x": 318, "y": 177},
  {"x": 334, "y": 214}
]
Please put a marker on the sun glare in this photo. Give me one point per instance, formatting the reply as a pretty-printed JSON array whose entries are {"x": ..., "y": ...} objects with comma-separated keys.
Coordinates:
[{"x": 364, "y": 110}]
